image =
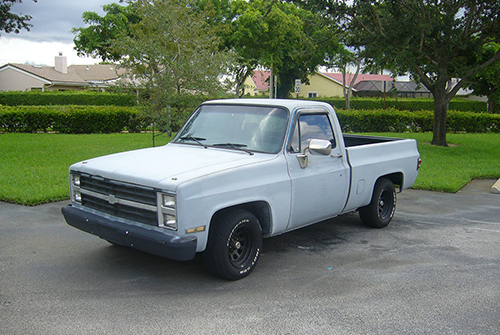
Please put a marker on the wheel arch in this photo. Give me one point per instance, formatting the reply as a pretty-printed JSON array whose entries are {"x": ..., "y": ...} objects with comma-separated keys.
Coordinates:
[
  {"x": 397, "y": 178},
  {"x": 260, "y": 209}
]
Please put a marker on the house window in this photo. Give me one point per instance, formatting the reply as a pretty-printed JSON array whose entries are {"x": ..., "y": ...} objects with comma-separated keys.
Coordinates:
[{"x": 312, "y": 94}]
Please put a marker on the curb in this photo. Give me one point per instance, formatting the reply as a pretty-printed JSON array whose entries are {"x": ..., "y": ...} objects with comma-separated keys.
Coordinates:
[{"x": 495, "y": 189}]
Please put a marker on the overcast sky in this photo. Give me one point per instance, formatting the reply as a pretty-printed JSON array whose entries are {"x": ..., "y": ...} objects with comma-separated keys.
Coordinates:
[{"x": 52, "y": 22}]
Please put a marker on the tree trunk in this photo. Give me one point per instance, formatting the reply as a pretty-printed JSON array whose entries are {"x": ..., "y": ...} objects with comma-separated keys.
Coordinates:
[
  {"x": 348, "y": 101},
  {"x": 492, "y": 106},
  {"x": 348, "y": 94},
  {"x": 441, "y": 103}
]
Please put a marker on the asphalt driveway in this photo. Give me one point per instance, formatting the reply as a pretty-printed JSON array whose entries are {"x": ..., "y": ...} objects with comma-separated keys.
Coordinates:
[{"x": 434, "y": 270}]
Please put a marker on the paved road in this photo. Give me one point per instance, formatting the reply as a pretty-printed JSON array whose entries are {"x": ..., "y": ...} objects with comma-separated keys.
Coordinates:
[{"x": 434, "y": 270}]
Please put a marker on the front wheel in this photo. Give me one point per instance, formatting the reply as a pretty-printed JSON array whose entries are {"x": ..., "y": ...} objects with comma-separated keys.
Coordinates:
[
  {"x": 380, "y": 211},
  {"x": 234, "y": 245}
]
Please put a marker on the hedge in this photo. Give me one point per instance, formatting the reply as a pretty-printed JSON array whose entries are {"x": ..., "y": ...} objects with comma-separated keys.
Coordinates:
[
  {"x": 81, "y": 98},
  {"x": 111, "y": 119},
  {"x": 406, "y": 104},
  {"x": 392, "y": 120},
  {"x": 70, "y": 119}
]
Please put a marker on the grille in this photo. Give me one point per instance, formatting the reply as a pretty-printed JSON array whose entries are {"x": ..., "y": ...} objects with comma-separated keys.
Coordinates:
[
  {"x": 120, "y": 190},
  {"x": 133, "y": 194}
]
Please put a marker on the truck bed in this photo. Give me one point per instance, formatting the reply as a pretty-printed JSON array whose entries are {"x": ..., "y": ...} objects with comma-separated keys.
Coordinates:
[
  {"x": 355, "y": 140},
  {"x": 371, "y": 157}
]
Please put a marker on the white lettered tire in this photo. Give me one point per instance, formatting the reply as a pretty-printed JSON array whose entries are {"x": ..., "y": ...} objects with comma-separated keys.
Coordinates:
[{"x": 234, "y": 245}]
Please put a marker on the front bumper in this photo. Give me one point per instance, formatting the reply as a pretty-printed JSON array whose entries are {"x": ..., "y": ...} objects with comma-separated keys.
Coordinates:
[{"x": 151, "y": 240}]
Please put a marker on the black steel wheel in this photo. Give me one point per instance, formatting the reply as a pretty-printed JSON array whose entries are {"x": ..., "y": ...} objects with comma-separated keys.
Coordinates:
[
  {"x": 380, "y": 211},
  {"x": 234, "y": 245}
]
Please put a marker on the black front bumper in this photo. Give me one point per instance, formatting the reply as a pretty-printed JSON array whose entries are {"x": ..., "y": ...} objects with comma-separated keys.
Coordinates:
[{"x": 151, "y": 240}]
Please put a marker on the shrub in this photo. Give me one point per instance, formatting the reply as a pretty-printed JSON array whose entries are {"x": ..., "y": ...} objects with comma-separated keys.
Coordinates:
[
  {"x": 70, "y": 119},
  {"x": 392, "y": 120},
  {"x": 112, "y": 119},
  {"x": 406, "y": 104},
  {"x": 81, "y": 98}
]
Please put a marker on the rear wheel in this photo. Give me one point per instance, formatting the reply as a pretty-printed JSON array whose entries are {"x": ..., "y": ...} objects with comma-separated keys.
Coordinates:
[
  {"x": 380, "y": 211},
  {"x": 234, "y": 245}
]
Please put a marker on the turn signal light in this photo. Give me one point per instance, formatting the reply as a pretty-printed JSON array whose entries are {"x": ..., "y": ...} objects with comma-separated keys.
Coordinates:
[{"x": 195, "y": 229}]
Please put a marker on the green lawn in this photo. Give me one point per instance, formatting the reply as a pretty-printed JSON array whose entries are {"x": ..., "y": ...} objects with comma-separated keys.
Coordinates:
[
  {"x": 467, "y": 157},
  {"x": 34, "y": 167}
]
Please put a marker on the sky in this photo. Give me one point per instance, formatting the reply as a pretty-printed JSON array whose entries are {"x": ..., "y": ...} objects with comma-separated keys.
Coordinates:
[{"x": 52, "y": 22}]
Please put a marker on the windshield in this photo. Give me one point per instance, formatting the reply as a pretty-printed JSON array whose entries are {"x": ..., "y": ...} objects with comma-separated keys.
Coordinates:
[{"x": 249, "y": 128}]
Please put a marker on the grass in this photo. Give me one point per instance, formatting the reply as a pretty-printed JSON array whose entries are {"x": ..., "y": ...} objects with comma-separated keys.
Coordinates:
[
  {"x": 34, "y": 167},
  {"x": 448, "y": 169}
]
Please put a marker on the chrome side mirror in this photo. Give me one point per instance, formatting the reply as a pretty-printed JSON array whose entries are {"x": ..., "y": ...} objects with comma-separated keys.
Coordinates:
[
  {"x": 316, "y": 147},
  {"x": 320, "y": 147}
]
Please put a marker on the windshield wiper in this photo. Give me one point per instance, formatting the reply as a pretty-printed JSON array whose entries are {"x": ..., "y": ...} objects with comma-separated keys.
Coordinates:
[
  {"x": 236, "y": 146},
  {"x": 195, "y": 139}
]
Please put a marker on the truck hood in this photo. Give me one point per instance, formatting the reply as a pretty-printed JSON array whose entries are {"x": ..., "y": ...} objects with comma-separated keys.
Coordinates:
[{"x": 168, "y": 166}]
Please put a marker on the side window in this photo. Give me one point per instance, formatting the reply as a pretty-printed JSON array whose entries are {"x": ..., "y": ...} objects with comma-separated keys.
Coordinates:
[{"x": 311, "y": 126}]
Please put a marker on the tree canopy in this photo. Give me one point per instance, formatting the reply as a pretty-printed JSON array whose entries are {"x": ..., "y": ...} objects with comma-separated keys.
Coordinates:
[
  {"x": 97, "y": 39},
  {"x": 487, "y": 81},
  {"x": 279, "y": 36},
  {"x": 10, "y": 22},
  {"x": 167, "y": 46},
  {"x": 276, "y": 35},
  {"x": 171, "y": 52},
  {"x": 433, "y": 40}
]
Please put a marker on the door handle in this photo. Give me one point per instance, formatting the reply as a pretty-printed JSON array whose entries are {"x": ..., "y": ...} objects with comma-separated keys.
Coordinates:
[{"x": 337, "y": 156}]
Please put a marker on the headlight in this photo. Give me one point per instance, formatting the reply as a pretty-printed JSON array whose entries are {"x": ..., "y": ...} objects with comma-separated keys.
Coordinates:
[
  {"x": 77, "y": 196},
  {"x": 168, "y": 209},
  {"x": 76, "y": 180},
  {"x": 170, "y": 221},
  {"x": 75, "y": 187},
  {"x": 169, "y": 201}
]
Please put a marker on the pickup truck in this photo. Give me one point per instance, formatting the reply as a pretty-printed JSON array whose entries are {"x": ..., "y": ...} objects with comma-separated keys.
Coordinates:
[{"x": 238, "y": 171}]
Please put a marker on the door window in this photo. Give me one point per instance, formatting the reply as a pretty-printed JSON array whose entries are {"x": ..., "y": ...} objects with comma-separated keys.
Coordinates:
[{"x": 311, "y": 126}]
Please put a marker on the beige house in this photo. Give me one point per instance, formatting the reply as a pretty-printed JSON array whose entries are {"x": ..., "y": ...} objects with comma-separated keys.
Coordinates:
[
  {"x": 320, "y": 84},
  {"x": 61, "y": 77}
]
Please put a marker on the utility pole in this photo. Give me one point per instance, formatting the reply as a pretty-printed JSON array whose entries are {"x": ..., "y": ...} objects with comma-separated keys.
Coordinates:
[
  {"x": 271, "y": 85},
  {"x": 276, "y": 87}
]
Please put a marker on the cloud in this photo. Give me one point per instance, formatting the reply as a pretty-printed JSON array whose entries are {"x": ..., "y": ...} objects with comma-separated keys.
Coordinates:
[
  {"x": 53, "y": 20},
  {"x": 16, "y": 50}
]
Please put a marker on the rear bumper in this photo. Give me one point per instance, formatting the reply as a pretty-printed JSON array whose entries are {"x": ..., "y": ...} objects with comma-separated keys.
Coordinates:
[{"x": 151, "y": 240}]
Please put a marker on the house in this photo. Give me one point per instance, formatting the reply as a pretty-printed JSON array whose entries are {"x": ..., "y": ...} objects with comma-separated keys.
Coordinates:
[
  {"x": 321, "y": 84},
  {"x": 405, "y": 89},
  {"x": 402, "y": 89},
  {"x": 257, "y": 83},
  {"x": 61, "y": 77}
]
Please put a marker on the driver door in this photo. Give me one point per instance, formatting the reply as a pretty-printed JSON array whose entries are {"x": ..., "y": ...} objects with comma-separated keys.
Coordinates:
[{"x": 319, "y": 190}]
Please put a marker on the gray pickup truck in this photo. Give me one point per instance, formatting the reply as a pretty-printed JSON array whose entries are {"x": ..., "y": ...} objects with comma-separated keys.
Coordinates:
[{"x": 239, "y": 171}]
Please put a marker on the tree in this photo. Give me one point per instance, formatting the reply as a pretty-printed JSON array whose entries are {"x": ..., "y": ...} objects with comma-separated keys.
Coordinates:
[
  {"x": 10, "y": 22},
  {"x": 169, "y": 53},
  {"x": 487, "y": 81},
  {"x": 343, "y": 59},
  {"x": 97, "y": 39},
  {"x": 289, "y": 41},
  {"x": 317, "y": 39},
  {"x": 433, "y": 40}
]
